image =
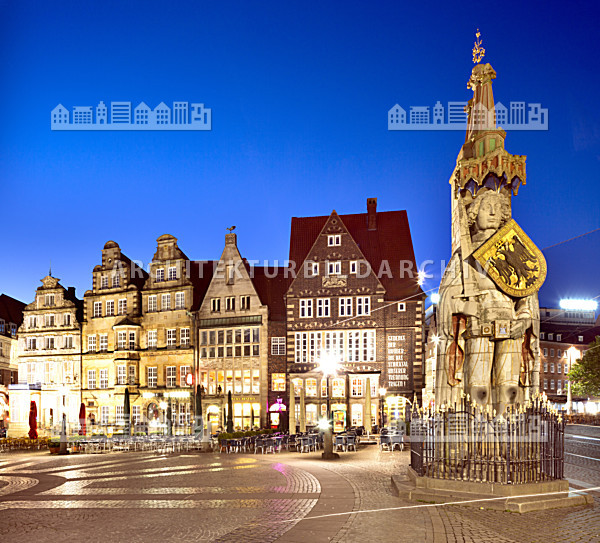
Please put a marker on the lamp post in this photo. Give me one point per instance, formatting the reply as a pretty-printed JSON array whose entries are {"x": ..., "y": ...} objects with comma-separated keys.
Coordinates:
[
  {"x": 382, "y": 393},
  {"x": 328, "y": 367},
  {"x": 573, "y": 355}
]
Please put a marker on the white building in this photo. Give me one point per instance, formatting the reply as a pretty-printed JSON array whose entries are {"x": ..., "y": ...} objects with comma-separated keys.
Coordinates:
[
  {"x": 201, "y": 115},
  {"x": 82, "y": 115},
  {"x": 396, "y": 117},
  {"x": 101, "y": 113},
  {"x": 120, "y": 112},
  {"x": 161, "y": 114},
  {"x": 142, "y": 114},
  {"x": 501, "y": 115},
  {"x": 59, "y": 115},
  {"x": 180, "y": 113},
  {"x": 517, "y": 113},
  {"x": 438, "y": 113},
  {"x": 419, "y": 115},
  {"x": 457, "y": 113}
]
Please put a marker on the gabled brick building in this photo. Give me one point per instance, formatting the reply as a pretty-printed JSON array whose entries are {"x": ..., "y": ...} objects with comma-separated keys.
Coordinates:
[{"x": 355, "y": 297}]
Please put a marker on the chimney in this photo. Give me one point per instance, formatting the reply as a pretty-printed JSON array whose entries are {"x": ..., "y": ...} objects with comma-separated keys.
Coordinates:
[
  {"x": 71, "y": 293},
  {"x": 231, "y": 239},
  {"x": 372, "y": 213}
]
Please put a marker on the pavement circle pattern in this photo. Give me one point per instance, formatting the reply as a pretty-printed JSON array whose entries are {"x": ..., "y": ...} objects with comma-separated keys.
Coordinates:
[{"x": 287, "y": 497}]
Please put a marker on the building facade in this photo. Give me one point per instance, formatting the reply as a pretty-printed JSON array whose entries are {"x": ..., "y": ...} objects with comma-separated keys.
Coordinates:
[
  {"x": 11, "y": 316},
  {"x": 355, "y": 299},
  {"x": 49, "y": 358},
  {"x": 112, "y": 337}
]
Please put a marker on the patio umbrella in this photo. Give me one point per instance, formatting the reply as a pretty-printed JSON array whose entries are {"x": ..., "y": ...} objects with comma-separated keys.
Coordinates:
[
  {"x": 82, "y": 419},
  {"x": 199, "y": 427},
  {"x": 292, "y": 410},
  {"x": 229, "y": 413},
  {"x": 127, "y": 412},
  {"x": 33, "y": 421},
  {"x": 302, "y": 412},
  {"x": 368, "y": 422}
]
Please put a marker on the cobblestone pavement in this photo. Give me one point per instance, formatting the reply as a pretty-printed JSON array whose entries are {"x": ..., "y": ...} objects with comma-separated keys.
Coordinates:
[{"x": 254, "y": 498}]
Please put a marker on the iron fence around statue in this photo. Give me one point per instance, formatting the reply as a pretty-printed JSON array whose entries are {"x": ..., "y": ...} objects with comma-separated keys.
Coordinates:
[{"x": 466, "y": 443}]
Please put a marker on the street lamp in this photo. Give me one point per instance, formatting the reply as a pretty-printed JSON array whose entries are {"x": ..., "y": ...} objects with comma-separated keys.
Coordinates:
[
  {"x": 328, "y": 366},
  {"x": 574, "y": 354},
  {"x": 382, "y": 393}
]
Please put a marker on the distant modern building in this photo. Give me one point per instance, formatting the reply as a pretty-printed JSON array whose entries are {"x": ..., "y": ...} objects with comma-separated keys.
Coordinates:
[
  {"x": 101, "y": 113},
  {"x": 517, "y": 113},
  {"x": 438, "y": 113},
  {"x": 120, "y": 112},
  {"x": 419, "y": 115},
  {"x": 180, "y": 113},
  {"x": 457, "y": 113},
  {"x": 142, "y": 114},
  {"x": 59, "y": 115},
  {"x": 396, "y": 116},
  {"x": 162, "y": 114},
  {"x": 501, "y": 115},
  {"x": 82, "y": 115}
]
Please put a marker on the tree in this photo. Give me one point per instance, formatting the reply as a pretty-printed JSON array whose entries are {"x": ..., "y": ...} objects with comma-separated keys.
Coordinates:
[
  {"x": 229, "y": 412},
  {"x": 585, "y": 373}
]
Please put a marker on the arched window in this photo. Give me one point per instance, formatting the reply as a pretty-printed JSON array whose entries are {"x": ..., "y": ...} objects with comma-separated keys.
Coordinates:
[{"x": 357, "y": 415}]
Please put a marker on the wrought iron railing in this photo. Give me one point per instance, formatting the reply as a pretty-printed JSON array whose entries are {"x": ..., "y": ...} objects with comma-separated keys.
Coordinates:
[{"x": 466, "y": 443}]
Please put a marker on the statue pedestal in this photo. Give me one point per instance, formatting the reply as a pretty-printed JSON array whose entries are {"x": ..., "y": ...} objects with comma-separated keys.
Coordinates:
[{"x": 517, "y": 498}]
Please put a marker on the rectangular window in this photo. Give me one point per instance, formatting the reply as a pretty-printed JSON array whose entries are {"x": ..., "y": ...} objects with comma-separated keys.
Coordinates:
[
  {"x": 67, "y": 319},
  {"x": 91, "y": 378},
  {"x": 551, "y": 384},
  {"x": 123, "y": 306},
  {"x": 184, "y": 338},
  {"x": 334, "y": 268},
  {"x": 172, "y": 273},
  {"x": 363, "y": 305},
  {"x": 278, "y": 346},
  {"x": 244, "y": 302},
  {"x": 545, "y": 367},
  {"x": 183, "y": 371},
  {"x": 311, "y": 388},
  {"x": 255, "y": 382},
  {"x": 131, "y": 375},
  {"x": 152, "y": 303},
  {"x": 104, "y": 414},
  {"x": 313, "y": 269},
  {"x": 559, "y": 353},
  {"x": 160, "y": 275},
  {"x": 215, "y": 305},
  {"x": 136, "y": 414},
  {"x": 306, "y": 306},
  {"x": 338, "y": 388},
  {"x": 171, "y": 337},
  {"x": 278, "y": 382},
  {"x": 353, "y": 266},
  {"x": 230, "y": 303},
  {"x": 171, "y": 376},
  {"x": 559, "y": 368},
  {"x": 165, "y": 302},
  {"x": 356, "y": 387},
  {"x": 552, "y": 368},
  {"x": 121, "y": 375},
  {"x": 542, "y": 335},
  {"x": 119, "y": 414},
  {"x": 103, "y": 379},
  {"x": 152, "y": 336},
  {"x": 49, "y": 343},
  {"x": 121, "y": 340},
  {"x": 68, "y": 342},
  {"x": 97, "y": 309},
  {"x": 551, "y": 353},
  {"x": 401, "y": 306},
  {"x": 91, "y": 344},
  {"x": 545, "y": 384},
  {"x": 334, "y": 240},
  {"x": 345, "y": 307},
  {"x": 551, "y": 336},
  {"x": 49, "y": 300},
  {"x": 31, "y": 344},
  {"x": 545, "y": 351},
  {"x": 103, "y": 342},
  {"x": 110, "y": 308},
  {"x": 558, "y": 337},
  {"x": 49, "y": 321},
  {"x": 180, "y": 300},
  {"x": 323, "y": 307},
  {"x": 559, "y": 385},
  {"x": 104, "y": 281},
  {"x": 131, "y": 341},
  {"x": 152, "y": 377},
  {"x": 116, "y": 280}
]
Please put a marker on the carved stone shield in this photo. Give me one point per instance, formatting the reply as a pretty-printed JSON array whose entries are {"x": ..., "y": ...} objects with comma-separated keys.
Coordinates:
[{"x": 513, "y": 261}]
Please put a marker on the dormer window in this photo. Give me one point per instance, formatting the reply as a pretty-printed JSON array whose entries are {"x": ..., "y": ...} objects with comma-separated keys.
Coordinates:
[
  {"x": 160, "y": 275},
  {"x": 334, "y": 240},
  {"x": 550, "y": 337},
  {"x": 49, "y": 300},
  {"x": 558, "y": 337},
  {"x": 334, "y": 268},
  {"x": 172, "y": 273},
  {"x": 104, "y": 282},
  {"x": 116, "y": 282}
]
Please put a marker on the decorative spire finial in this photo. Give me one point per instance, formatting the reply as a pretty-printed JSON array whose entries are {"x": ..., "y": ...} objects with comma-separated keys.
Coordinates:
[{"x": 478, "y": 51}]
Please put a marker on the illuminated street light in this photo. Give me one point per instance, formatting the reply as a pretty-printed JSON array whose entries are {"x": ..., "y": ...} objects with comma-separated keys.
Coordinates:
[
  {"x": 421, "y": 276},
  {"x": 435, "y": 298}
]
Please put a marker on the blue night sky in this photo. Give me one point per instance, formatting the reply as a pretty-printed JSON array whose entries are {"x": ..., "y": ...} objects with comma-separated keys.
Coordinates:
[{"x": 299, "y": 93}]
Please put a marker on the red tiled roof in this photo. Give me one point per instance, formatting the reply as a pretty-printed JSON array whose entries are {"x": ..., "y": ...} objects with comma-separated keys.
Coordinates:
[
  {"x": 271, "y": 284},
  {"x": 11, "y": 310},
  {"x": 390, "y": 241},
  {"x": 201, "y": 272}
]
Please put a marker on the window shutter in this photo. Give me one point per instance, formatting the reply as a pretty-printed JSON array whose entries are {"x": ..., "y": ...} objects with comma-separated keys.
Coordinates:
[{"x": 164, "y": 376}]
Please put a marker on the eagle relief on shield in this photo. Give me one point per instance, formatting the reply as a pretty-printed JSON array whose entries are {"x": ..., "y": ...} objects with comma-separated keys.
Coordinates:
[{"x": 513, "y": 261}]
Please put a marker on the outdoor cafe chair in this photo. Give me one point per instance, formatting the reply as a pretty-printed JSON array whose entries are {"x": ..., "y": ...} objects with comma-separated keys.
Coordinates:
[
  {"x": 351, "y": 442},
  {"x": 340, "y": 443},
  {"x": 397, "y": 440},
  {"x": 260, "y": 445},
  {"x": 385, "y": 442}
]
